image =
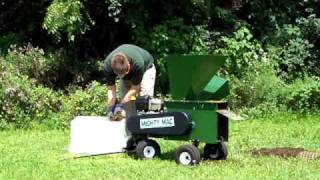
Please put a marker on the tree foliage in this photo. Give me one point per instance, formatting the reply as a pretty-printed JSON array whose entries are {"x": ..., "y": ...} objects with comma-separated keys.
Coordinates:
[
  {"x": 273, "y": 47},
  {"x": 68, "y": 17}
]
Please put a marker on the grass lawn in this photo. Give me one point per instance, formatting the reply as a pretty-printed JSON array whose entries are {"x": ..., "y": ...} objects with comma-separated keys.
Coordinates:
[{"x": 39, "y": 154}]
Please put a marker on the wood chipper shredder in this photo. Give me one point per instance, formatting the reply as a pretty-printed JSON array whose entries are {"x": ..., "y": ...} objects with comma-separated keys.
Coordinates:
[{"x": 191, "y": 114}]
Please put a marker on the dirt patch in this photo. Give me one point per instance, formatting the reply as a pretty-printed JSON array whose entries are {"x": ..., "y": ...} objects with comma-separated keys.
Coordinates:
[{"x": 287, "y": 153}]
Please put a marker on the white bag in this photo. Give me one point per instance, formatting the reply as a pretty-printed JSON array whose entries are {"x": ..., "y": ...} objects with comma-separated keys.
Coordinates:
[{"x": 93, "y": 135}]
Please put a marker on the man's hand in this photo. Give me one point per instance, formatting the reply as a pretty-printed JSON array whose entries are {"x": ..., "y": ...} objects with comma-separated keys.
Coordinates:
[
  {"x": 110, "y": 112},
  {"x": 119, "y": 112}
]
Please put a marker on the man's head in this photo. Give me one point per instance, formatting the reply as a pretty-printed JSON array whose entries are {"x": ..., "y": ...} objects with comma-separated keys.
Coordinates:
[{"x": 120, "y": 64}]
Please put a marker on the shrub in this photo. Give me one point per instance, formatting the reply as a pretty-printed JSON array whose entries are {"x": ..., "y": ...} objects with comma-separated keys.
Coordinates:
[
  {"x": 261, "y": 80},
  {"x": 242, "y": 51},
  {"x": 310, "y": 27},
  {"x": 294, "y": 53},
  {"x": 51, "y": 69},
  {"x": 33, "y": 62},
  {"x": 258, "y": 85},
  {"x": 88, "y": 102},
  {"x": 263, "y": 110},
  {"x": 303, "y": 95},
  {"x": 254, "y": 85},
  {"x": 23, "y": 102}
]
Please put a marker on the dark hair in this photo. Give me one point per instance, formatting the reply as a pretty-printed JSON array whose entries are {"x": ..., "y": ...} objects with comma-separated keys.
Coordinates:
[{"x": 119, "y": 63}]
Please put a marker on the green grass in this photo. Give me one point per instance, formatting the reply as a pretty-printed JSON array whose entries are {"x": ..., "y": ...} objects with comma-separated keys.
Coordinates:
[{"x": 37, "y": 154}]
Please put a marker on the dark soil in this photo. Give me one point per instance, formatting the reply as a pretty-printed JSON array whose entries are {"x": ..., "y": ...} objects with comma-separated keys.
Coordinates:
[{"x": 286, "y": 153}]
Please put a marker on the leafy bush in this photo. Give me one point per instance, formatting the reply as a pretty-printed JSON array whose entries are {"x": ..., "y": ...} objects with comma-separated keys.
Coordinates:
[
  {"x": 253, "y": 72},
  {"x": 303, "y": 95},
  {"x": 88, "y": 102},
  {"x": 13, "y": 101},
  {"x": 258, "y": 85},
  {"x": 242, "y": 52},
  {"x": 261, "y": 79},
  {"x": 51, "y": 69},
  {"x": 32, "y": 62},
  {"x": 294, "y": 53},
  {"x": 263, "y": 110},
  {"x": 23, "y": 102},
  {"x": 310, "y": 27}
]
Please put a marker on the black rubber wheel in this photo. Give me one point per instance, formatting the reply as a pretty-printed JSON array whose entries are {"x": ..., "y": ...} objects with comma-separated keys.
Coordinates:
[
  {"x": 187, "y": 155},
  {"x": 147, "y": 149},
  {"x": 215, "y": 151},
  {"x": 131, "y": 146}
]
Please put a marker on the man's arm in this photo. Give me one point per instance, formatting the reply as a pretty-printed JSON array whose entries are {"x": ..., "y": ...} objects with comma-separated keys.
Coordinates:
[
  {"x": 111, "y": 95},
  {"x": 134, "y": 90}
]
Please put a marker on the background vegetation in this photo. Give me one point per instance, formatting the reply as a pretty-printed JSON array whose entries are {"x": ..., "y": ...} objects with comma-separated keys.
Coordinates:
[{"x": 52, "y": 51}]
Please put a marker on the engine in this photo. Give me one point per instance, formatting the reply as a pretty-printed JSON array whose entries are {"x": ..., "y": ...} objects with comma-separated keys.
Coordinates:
[{"x": 146, "y": 103}]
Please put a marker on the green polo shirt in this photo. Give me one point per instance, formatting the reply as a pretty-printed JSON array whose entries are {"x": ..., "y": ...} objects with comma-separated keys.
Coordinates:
[{"x": 139, "y": 59}]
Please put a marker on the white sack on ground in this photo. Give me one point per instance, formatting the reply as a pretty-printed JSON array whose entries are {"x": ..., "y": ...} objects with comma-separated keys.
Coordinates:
[{"x": 92, "y": 135}]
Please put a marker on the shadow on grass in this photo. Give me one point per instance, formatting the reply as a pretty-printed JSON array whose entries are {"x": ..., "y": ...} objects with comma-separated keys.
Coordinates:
[{"x": 168, "y": 155}]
